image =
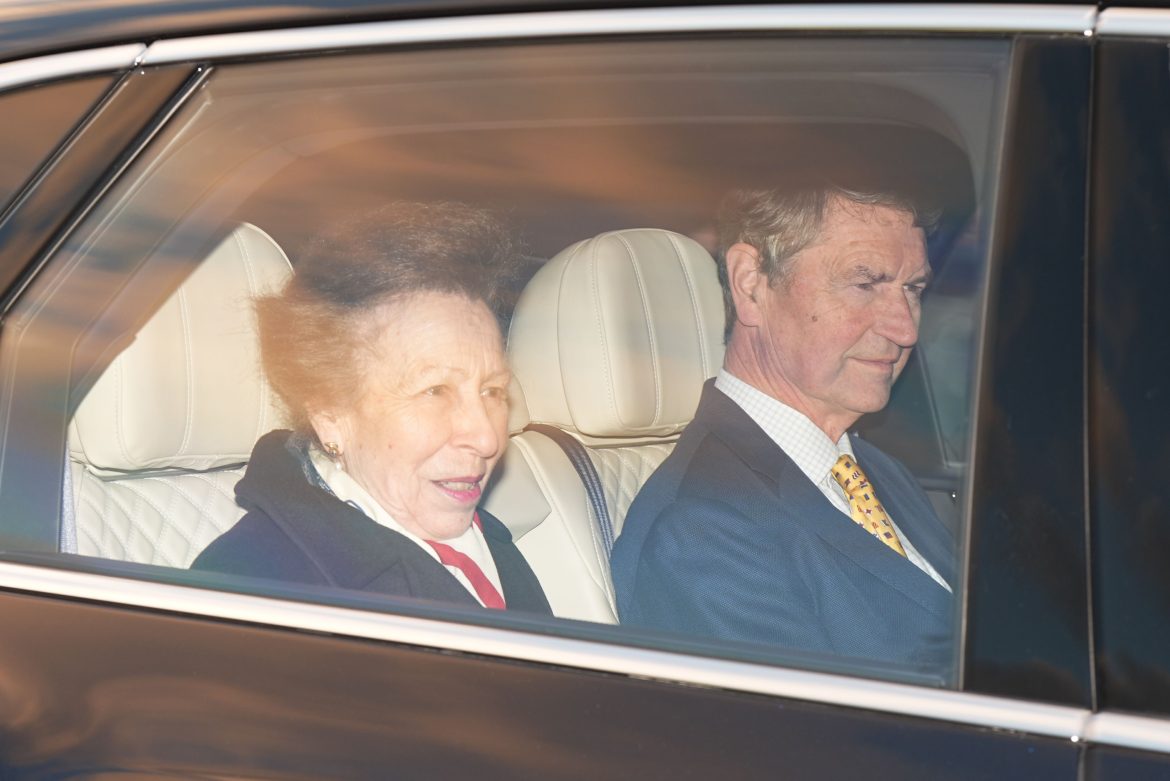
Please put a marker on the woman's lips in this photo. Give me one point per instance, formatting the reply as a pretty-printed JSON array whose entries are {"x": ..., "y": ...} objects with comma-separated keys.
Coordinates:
[{"x": 465, "y": 490}]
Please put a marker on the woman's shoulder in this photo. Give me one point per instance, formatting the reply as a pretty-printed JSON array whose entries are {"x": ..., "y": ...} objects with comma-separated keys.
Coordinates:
[{"x": 256, "y": 546}]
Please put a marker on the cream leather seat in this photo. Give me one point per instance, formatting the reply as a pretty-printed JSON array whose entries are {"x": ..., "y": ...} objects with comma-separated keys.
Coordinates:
[
  {"x": 157, "y": 445},
  {"x": 610, "y": 341}
]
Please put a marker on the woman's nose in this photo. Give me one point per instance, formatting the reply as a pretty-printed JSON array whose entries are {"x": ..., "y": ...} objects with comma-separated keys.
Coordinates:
[{"x": 478, "y": 427}]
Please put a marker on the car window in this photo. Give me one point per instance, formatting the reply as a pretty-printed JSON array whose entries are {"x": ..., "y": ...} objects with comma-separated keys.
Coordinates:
[
  {"x": 138, "y": 342},
  {"x": 47, "y": 113}
]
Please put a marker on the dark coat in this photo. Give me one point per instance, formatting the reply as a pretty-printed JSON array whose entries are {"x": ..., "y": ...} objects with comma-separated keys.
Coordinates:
[
  {"x": 295, "y": 530},
  {"x": 729, "y": 539}
]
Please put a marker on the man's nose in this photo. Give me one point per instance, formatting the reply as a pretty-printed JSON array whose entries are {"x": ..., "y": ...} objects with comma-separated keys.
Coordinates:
[{"x": 898, "y": 319}]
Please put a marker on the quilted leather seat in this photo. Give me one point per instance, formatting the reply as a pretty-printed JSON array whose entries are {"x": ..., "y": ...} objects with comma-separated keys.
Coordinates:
[
  {"x": 610, "y": 341},
  {"x": 158, "y": 444}
]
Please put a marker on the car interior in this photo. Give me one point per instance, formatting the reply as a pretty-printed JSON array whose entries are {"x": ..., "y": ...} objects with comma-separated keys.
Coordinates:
[
  {"x": 155, "y": 455},
  {"x": 154, "y": 459}
]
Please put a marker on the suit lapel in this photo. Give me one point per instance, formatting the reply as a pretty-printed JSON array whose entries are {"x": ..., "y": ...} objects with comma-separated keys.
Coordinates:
[
  {"x": 797, "y": 497},
  {"x": 910, "y": 509}
]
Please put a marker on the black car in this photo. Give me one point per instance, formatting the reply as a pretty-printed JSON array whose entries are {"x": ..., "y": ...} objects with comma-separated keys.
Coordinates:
[{"x": 163, "y": 163}]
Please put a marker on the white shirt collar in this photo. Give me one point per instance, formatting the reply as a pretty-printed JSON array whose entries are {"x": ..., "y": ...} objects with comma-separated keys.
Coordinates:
[
  {"x": 470, "y": 543},
  {"x": 809, "y": 447}
]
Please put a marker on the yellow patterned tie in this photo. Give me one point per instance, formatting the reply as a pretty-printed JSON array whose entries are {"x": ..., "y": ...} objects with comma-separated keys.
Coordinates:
[{"x": 864, "y": 506}]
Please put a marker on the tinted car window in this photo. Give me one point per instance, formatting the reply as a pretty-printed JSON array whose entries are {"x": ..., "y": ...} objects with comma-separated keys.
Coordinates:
[
  {"x": 1128, "y": 381},
  {"x": 46, "y": 114},
  {"x": 565, "y": 142}
]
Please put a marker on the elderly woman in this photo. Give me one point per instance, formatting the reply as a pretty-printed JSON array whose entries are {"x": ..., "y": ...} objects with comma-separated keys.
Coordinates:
[{"x": 384, "y": 350}]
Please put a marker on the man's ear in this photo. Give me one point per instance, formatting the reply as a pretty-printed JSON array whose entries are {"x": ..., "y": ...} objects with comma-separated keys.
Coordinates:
[{"x": 746, "y": 280}]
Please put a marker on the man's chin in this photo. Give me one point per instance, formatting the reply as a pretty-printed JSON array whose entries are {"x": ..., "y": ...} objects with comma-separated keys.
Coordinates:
[{"x": 875, "y": 401}]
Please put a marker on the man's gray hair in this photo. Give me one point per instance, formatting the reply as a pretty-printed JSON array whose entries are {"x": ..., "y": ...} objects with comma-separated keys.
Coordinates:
[{"x": 780, "y": 223}]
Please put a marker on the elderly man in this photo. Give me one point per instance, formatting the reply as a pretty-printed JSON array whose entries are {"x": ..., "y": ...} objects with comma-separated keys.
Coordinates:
[{"x": 769, "y": 523}]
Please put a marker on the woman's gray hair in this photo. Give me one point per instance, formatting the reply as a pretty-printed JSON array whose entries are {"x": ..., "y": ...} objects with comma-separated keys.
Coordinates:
[{"x": 780, "y": 223}]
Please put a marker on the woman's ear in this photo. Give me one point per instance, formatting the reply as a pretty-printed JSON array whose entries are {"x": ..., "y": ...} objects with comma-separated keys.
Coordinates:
[
  {"x": 329, "y": 428},
  {"x": 745, "y": 278}
]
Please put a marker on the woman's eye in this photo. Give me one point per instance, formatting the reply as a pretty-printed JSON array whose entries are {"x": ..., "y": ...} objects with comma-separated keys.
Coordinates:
[
  {"x": 495, "y": 393},
  {"x": 435, "y": 390}
]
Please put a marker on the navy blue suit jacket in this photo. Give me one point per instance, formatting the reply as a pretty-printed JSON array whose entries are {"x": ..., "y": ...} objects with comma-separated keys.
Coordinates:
[
  {"x": 729, "y": 539},
  {"x": 298, "y": 532}
]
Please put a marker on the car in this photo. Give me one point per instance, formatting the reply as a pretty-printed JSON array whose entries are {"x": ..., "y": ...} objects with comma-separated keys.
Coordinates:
[{"x": 165, "y": 162}]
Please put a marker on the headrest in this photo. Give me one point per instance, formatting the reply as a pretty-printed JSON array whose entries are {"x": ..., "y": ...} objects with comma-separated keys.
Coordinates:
[
  {"x": 517, "y": 408},
  {"x": 188, "y": 392},
  {"x": 615, "y": 335}
]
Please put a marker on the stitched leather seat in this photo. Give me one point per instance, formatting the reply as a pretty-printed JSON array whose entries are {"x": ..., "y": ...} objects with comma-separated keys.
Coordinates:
[
  {"x": 157, "y": 445},
  {"x": 610, "y": 341}
]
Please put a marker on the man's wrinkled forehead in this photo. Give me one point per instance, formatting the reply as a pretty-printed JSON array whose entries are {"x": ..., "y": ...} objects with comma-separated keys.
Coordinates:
[{"x": 859, "y": 228}]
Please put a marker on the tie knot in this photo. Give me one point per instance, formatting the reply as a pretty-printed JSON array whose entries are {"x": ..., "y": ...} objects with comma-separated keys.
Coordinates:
[{"x": 849, "y": 475}]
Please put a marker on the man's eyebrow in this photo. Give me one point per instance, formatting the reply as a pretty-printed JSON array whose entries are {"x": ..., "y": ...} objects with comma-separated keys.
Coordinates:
[
  {"x": 869, "y": 275},
  {"x": 925, "y": 278}
]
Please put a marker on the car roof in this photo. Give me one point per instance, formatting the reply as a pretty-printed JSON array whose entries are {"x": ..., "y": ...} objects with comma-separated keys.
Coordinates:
[
  {"x": 34, "y": 27},
  {"x": 29, "y": 27}
]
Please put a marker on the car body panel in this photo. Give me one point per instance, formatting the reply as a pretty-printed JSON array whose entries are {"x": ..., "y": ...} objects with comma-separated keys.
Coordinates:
[{"x": 154, "y": 693}]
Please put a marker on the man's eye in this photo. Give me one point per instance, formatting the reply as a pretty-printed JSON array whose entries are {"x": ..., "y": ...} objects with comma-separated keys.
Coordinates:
[
  {"x": 916, "y": 290},
  {"x": 866, "y": 286}
]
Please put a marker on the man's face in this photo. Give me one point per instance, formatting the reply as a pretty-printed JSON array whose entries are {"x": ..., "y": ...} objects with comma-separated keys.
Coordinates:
[{"x": 837, "y": 331}]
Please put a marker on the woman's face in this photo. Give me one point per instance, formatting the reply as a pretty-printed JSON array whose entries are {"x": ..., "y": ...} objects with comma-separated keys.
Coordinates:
[{"x": 431, "y": 420}]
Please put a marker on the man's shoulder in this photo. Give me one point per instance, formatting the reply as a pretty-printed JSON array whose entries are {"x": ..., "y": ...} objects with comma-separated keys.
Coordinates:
[
  {"x": 704, "y": 471},
  {"x": 699, "y": 462}
]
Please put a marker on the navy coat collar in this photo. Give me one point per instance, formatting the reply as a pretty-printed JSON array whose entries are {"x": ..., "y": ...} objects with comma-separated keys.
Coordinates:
[{"x": 352, "y": 551}]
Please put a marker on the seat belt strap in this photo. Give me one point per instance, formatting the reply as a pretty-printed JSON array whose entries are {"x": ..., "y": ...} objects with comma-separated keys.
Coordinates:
[{"x": 579, "y": 458}]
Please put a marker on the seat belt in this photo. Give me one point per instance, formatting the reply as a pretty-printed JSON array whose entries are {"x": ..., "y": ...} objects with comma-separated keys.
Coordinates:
[{"x": 579, "y": 458}]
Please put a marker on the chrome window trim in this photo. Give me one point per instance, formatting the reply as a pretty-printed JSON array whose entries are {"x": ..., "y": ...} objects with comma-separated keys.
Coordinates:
[
  {"x": 893, "y": 17},
  {"x": 1137, "y": 732},
  {"x": 1143, "y": 22},
  {"x": 55, "y": 66},
  {"x": 940, "y": 17},
  {"x": 1073, "y": 724}
]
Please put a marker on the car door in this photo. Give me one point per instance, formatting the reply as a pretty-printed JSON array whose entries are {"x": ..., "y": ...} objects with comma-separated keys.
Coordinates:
[{"x": 118, "y": 659}]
